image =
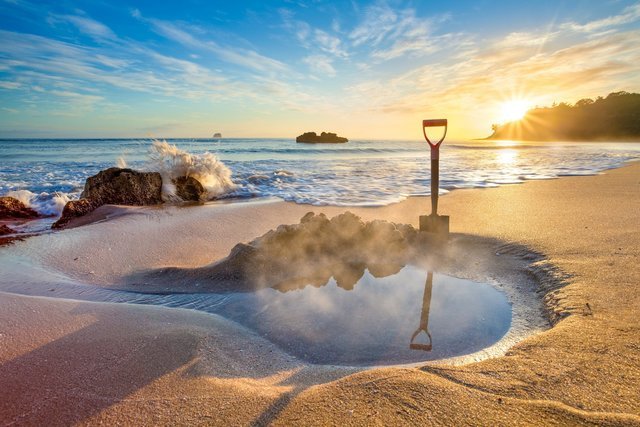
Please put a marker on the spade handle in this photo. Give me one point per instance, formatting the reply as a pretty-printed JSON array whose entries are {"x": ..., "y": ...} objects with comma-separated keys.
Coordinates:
[{"x": 429, "y": 123}]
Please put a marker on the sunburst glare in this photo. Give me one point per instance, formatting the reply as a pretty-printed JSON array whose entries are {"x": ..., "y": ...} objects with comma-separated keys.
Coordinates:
[{"x": 513, "y": 110}]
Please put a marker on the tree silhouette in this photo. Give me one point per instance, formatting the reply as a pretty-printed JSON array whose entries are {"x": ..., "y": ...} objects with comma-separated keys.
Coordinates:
[{"x": 616, "y": 117}]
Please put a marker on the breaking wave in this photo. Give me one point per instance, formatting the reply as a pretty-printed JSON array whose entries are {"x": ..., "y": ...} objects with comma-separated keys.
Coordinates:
[
  {"x": 172, "y": 162},
  {"x": 44, "y": 203}
]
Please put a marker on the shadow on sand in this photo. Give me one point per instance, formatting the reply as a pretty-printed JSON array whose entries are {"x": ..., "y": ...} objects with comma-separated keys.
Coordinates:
[{"x": 77, "y": 376}]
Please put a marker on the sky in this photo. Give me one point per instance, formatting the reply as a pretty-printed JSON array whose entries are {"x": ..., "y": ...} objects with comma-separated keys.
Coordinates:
[{"x": 375, "y": 69}]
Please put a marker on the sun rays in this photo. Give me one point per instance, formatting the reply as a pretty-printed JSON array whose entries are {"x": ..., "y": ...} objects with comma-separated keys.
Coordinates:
[{"x": 514, "y": 109}]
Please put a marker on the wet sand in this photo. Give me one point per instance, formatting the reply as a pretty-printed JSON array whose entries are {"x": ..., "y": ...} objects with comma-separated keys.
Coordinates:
[{"x": 77, "y": 362}]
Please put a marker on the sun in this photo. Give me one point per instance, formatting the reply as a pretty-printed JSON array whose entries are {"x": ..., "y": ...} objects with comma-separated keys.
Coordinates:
[{"x": 513, "y": 110}]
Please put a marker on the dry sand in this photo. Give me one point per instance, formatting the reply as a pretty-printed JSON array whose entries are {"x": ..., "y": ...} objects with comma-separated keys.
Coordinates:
[{"x": 66, "y": 362}]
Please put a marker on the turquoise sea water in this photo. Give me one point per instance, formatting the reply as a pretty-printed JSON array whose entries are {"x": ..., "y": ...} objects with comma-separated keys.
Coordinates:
[{"x": 45, "y": 173}]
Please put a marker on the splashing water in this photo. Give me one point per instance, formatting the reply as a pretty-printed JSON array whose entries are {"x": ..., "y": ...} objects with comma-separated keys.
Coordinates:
[
  {"x": 121, "y": 162},
  {"x": 173, "y": 162},
  {"x": 44, "y": 203}
]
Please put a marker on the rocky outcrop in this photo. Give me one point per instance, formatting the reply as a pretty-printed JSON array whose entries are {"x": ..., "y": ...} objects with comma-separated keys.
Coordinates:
[
  {"x": 327, "y": 137},
  {"x": 74, "y": 209},
  {"x": 11, "y": 208},
  {"x": 114, "y": 186},
  {"x": 189, "y": 189},
  {"x": 118, "y": 186}
]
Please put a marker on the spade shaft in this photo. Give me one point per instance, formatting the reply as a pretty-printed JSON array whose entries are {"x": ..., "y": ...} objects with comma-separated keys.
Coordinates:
[{"x": 435, "y": 183}]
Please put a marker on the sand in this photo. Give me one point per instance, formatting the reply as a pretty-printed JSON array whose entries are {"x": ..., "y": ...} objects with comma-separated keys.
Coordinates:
[{"x": 66, "y": 362}]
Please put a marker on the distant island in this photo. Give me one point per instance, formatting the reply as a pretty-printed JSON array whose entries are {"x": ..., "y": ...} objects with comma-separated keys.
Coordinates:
[
  {"x": 311, "y": 137},
  {"x": 217, "y": 135},
  {"x": 614, "y": 118}
]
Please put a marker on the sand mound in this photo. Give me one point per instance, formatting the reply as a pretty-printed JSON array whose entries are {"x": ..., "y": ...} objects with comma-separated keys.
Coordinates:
[{"x": 294, "y": 256}]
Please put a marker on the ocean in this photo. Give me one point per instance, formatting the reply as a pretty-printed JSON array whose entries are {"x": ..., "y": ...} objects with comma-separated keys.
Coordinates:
[{"x": 46, "y": 173}]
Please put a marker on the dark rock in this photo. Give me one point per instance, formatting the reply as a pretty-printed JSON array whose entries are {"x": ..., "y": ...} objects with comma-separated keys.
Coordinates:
[
  {"x": 118, "y": 186},
  {"x": 311, "y": 137},
  {"x": 14, "y": 208},
  {"x": 189, "y": 189},
  {"x": 74, "y": 209},
  {"x": 114, "y": 186},
  {"x": 4, "y": 230}
]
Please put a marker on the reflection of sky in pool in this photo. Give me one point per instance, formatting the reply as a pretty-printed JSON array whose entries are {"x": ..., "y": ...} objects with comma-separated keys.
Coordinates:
[{"x": 374, "y": 322}]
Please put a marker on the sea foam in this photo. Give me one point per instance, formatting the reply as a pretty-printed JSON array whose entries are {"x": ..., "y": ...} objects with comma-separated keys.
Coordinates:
[
  {"x": 172, "y": 162},
  {"x": 44, "y": 203}
]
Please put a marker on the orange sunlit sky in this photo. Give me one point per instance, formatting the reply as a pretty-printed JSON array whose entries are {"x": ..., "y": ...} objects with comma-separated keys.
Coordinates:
[{"x": 277, "y": 69}]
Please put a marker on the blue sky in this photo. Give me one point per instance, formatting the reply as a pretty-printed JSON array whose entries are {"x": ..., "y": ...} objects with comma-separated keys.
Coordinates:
[{"x": 363, "y": 69}]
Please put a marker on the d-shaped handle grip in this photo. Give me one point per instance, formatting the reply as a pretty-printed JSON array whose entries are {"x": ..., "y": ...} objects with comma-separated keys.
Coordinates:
[
  {"x": 428, "y": 123},
  {"x": 416, "y": 346}
]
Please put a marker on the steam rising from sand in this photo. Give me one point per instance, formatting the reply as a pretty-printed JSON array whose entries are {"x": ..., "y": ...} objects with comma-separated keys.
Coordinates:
[
  {"x": 297, "y": 255},
  {"x": 173, "y": 162},
  {"x": 319, "y": 248}
]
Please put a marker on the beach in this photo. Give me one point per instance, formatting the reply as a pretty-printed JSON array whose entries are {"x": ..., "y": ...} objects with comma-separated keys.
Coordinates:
[
  {"x": 293, "y": 213},
  {"x": 72, "y": 362}
]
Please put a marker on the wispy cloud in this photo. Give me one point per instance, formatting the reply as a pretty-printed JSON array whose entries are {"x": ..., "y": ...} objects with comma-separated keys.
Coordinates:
[
  {"x": 46, "y": 62},
  {"x": 10, "y": 85},
  {"x": 379, "y": 21},
  {"x": 97, "y": 30},
  {"x": 243, "y": 57},
  {"x": 330, "y": 44},
  {"x": 394, "y": 33},
  {"x": 83, "y": 99},
  {"x": 628, "y": 15},
  {"x": 320, "y": 64},
  {"x": 524, "y": 39},
  {"x": 300, "y": 29},
  {"x": 316, "y": 40}
]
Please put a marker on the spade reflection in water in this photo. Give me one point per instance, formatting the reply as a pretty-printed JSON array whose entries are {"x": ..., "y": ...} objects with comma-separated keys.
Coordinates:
[{"x": 424, "y": 318}]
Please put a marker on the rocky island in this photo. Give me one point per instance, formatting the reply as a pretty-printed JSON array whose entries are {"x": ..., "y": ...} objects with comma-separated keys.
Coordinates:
[{"x": 311, "y": 137}]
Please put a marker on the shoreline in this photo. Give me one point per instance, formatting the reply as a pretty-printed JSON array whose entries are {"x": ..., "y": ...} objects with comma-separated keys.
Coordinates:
[
  {"x": 545, "y": 376},
  {"x": 107, "y": 212},
  {"x": 356, "y": 176}
]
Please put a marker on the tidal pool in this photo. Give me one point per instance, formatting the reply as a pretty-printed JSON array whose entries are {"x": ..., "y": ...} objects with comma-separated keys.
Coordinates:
[{"x": 407, "y": 317}]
